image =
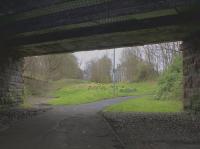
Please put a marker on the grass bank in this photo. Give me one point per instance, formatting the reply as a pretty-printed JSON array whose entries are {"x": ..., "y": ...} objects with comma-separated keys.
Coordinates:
[
  {"x": 86, "y": 92},
  {"x": 146, "y": 104}
]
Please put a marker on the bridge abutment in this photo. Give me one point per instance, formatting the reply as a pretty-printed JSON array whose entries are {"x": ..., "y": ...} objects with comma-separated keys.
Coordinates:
[
  {"x": 11, "y": 80},
  {"x": 191, "y": 72}
]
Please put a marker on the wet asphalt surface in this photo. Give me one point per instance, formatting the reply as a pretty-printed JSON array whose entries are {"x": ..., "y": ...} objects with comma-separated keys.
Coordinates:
[
  {"x": 64, "y": 127},
  {"x": 86, "y": 127}
]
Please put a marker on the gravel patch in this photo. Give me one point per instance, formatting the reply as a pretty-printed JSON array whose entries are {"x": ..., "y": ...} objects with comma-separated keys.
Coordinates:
[
  {"x": 8, "y": 116},
  {"x": 156, "y": 130}
]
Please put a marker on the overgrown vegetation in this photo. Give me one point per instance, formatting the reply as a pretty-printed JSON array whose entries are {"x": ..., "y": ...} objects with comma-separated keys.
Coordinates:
[
  {"x": 90, "y": 92},
  {"x": 170, "y": 83},
  {"x": 68, "y": 84},
  {"x": 168, "y": 93}
]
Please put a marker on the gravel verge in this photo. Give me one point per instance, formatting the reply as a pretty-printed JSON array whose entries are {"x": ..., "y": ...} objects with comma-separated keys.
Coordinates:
[
  {"x": 9, "y": 116},
  {"x": 156, "y": 130}
]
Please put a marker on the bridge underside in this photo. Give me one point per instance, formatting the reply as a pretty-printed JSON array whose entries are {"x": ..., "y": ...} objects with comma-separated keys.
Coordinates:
[
  {"x": 36, "y": 27},
  {"x": 51, "y": 26}
]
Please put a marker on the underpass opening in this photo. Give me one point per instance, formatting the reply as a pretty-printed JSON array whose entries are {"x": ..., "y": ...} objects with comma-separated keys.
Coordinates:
[{"x": 95, "y": 71}]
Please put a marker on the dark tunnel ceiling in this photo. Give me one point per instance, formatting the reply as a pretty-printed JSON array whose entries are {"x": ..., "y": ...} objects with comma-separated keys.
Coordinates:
[{"x": 38, "y": 27}]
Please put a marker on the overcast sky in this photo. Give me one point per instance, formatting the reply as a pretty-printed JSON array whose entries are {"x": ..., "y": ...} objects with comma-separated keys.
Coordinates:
[{"x": 86, "y": 56}]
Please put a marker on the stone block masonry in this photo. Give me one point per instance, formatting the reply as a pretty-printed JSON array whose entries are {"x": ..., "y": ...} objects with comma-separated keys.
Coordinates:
[
  {"x": 191, "y": 72},
  {"x": 156, "y": 130},
  {"x": 11, "y": 80}
]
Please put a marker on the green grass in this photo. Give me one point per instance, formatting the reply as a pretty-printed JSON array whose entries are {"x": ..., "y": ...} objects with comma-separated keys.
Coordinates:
[
  {"x": 86, "y": 92},
  {"x": 146, "y": 104}
]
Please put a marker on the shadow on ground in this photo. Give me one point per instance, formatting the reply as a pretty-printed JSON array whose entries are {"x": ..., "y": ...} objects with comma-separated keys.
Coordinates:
[{"x": 84, "y": 126}]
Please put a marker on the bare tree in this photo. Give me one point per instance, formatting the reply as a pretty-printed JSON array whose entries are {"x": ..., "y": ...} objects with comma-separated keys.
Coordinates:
[
  {"x": 161, "y": 55},
  {"x": 99, "y": 70},
  {"x": 52, "y": 67},
  {"x": 134, "y": 67}
]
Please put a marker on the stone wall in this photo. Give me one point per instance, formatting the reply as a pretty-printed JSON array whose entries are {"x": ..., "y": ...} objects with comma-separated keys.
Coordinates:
[
  {"x": 156, "y": 130},
  {"x": 191, "y": 72},
  {"x": 11, "y": 80}
]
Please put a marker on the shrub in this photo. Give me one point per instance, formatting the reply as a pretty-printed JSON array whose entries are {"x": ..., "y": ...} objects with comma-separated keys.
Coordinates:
[
  {"x": 171, "y": 81},
  {"x": 146, "y": 72}
]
